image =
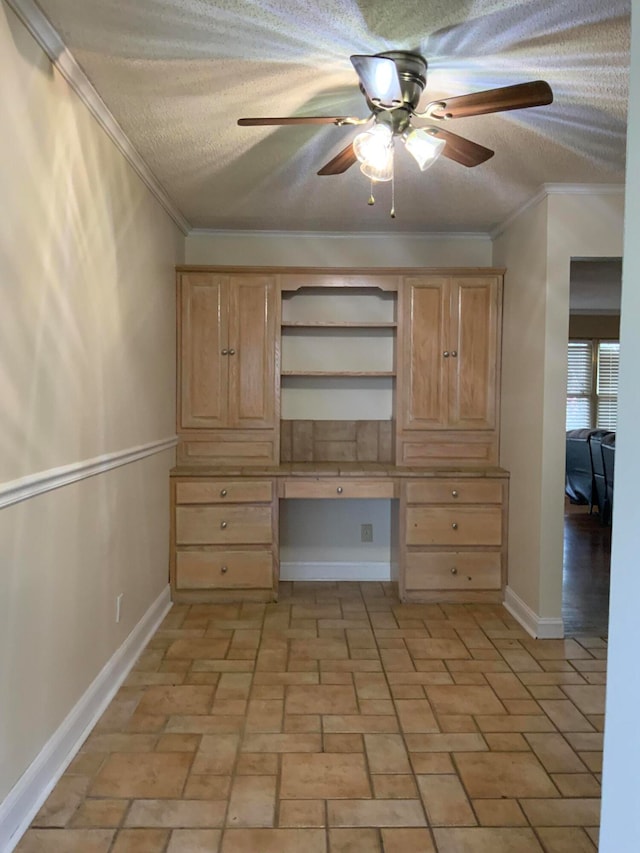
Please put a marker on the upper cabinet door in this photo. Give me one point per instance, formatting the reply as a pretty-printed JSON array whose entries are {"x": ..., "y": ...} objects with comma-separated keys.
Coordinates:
[
  {"x": 474, "y": 340},
  {"x": 202, "y": 392},
  {"x": 253, "y": 325},
  {"x": 422, "y": 368}
]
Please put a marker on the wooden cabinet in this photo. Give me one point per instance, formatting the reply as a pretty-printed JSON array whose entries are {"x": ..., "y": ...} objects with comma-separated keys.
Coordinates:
[
  {"x": 448, "y": 370},
  {"x": 453, "y": 539},
  {"x": 227, "y": 377},
  {"x": 224, "y": 539}
]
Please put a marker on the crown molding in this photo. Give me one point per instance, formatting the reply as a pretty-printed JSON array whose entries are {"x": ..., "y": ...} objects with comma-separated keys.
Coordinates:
[
  {"x": 556, "y": 189},
  {"x": 345, "y": 235},
  {"x": 49, "y": 40}
]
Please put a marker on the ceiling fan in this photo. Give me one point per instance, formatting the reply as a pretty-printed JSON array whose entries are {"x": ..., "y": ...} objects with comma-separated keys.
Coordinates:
[{"x": 392, "y": 83}]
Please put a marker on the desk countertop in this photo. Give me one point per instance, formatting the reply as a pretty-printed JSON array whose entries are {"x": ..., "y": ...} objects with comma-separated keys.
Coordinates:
[{"x": 334, "y": 469}]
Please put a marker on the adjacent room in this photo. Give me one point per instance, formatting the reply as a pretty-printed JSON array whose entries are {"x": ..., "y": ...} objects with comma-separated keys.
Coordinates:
[{"x": 314, "y": 320}]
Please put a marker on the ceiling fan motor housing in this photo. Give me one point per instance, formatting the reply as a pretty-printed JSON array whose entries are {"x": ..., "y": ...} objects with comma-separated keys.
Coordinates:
[{"x": 412, "y": 73}]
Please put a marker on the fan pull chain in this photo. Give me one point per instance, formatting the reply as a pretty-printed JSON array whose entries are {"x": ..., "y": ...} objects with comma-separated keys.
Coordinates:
[
  {"x": 393, "y": 192},
  {"x": 371, "y": 198}
]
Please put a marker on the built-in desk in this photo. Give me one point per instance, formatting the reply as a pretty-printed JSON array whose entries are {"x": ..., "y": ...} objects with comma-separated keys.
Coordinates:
[{"x": 449, "y": 527}]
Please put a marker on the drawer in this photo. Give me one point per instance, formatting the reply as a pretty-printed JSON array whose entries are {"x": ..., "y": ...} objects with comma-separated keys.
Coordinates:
[
  {"x": 461, "y": 525},
  {"x": 223, "y": 525},
  {"x": 463, "y": 491},
  {"x": 339, "y": 487},
  {"x": 224, "y": 569},
  {"x": 224, "y": 491},
  {"x": 453, "y": 570}
]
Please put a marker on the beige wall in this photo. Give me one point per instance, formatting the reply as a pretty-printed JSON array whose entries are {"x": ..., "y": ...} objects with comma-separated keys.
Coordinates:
[
  {"x": 86, "y": 369},
  {"x": 537, "y": 249}
]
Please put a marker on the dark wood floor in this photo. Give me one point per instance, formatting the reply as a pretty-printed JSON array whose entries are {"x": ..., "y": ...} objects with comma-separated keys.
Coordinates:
[{"x": 585, "y": 587}]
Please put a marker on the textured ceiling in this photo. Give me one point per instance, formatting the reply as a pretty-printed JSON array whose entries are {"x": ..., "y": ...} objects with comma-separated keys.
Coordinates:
[{"x": 177, "y": 74}]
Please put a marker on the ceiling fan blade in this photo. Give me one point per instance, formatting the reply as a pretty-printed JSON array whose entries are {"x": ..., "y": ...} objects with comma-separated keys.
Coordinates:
[
  {"x": 458, "y": 148},
  {"x": 533, "y": 94},
  {"x": 341, "y": 162},
  {"x": 379, "y": 78},
  {"x": 251, "y": 122}
]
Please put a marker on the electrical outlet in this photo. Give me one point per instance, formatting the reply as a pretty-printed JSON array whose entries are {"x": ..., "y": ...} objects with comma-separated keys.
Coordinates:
[
  {"x": 119, "y": 606},
  {"x": 366, "y": 532}
]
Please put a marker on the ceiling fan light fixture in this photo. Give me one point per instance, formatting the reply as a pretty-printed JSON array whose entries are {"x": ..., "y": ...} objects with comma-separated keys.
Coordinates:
[
  {"x": 424, "y": 148},
  {"x": 374, "y": 150}
]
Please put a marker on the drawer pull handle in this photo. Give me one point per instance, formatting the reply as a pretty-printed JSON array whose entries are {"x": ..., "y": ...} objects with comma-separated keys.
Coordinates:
[
  {"x": 223, "y": 493},
  {"x": 454, "y": 354},
  {"x": 223, "y": 524},
  {"x": 339, "y": 490},
  {"x": 446, "y": 353},
  {"x": 224, "y": 352},
  {"x": 454, "y": 571},
  {"x": 224, "y": 570},
  {"x": 232, "y": 352},
  {"x": 454, "y": 494},
  {"x": 455, "y": 525}
]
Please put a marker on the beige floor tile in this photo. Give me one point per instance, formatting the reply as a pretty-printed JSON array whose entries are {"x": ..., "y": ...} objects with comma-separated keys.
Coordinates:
[
  {"x": 504, "y": 774},
  {"x": 105, "y": 743},
  {"x": 252, "y": 801},
  {"x": 140, "y": 841},
  {"x": 593, "y": 760},
  {"x": 354, "y": 841},
  {"x": 197, "y": 648},
  {"x": 371, "y": 685},
  {"x": 178, "y": 743},
  {"x": 321, "y": 699},
  {"x": 99, "y": 813},
  {"x": 445, "y": 801},
  {"x": 281, "y": 743},
  {"x": 499, "y": 813},
  {"x": 85, "y": 764},
  {"x": 395, "y": 786},
  {"x": 257, "y": 764},
  {"x": 360, "y": 723},
  {"x": 146, "y": 775},
  {"x": 207, "y": 787},
  {"x": 363, "y": 813},
  {"x": 514, "y": 723},
  {"x": 565, "y": 715},
  {"x": 431, "y": 762},
  {"x": 194, "y": 841},
  {"x": 302, "y": 723},
  {"x": 465, "y": 742},
  {"x": 486, "y": 840},
  {"x": 302, "y": 813},
  {"x": 555, "y": 753},
  {"x": 565, "y": 840},
  {"x": 415, "y": 715},
  {"x": 324, "y": 776},
  {"x": 203, "y": 724},
  {"x": 588, "y": 699},
  {"x": 386, "y": 753},
  {"x": 576, "y": 784},
  {"x": 451, "y": 723},
  {"x": 66, "y": 841},
  {"x": 264, "y": 715},
  {"x": 454, "y": 699},
  {"x": 440, "y": 648},
  {"x": 273, "y": 841},
  {"x": 338, "y": 742},
  {"x": 216, "y": 755},
  {"x": 185, "y": 814},
  {"x": 62, "y": 802},
  {"x": 565, "y": 812},
  {"x": 400, "y": 840},
  {"x": 319, "y": 649},
  {"x": 178, "y": 699}
]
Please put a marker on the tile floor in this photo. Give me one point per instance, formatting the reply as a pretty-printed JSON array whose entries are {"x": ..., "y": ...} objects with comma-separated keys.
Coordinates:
[{"x": 339, "y": 721}]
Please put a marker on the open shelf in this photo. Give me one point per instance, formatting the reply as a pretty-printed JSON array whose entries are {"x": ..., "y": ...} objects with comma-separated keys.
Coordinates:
[
  {"x": 334, "y": 324},
  {"x": 337, "y": 373}
]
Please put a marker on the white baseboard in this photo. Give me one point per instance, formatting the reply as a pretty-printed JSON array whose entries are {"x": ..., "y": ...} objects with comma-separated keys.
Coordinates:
[
  {"x": 541, "y": 628},
  {"x": 335, "y": 571},
  {"x": 32, "y": 789}
]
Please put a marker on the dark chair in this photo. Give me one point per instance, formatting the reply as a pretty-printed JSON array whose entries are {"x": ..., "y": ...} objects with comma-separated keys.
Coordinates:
[
  {"x": 579, "y": 472},
  {"x": 600, "y": 485},
  {"x": 608, "y": 446}
]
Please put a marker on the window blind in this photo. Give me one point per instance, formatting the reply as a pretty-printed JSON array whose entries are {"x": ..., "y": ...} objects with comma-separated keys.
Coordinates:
[
  {"x": 607, "y": 384},
  {"x": 579, "y": 385}
]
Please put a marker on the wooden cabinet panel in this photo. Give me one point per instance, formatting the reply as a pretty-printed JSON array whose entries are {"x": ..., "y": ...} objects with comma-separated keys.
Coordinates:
[
  {"x": 474, "y": 339},
  {"x": 252, "y": 349},
  {"x": 224, "y": 569},
  {"x": 453, "y": 570},
  {"x": 454, "y": 491},
  {"x": 423, "y": 377},
  {"x": 202, "y": 337},
  {"x": 463, "y": 525},
  {"x": 224, "y": 491},
  {"x": 339, "y": 487},
  {"x": 223, "y": 525}
]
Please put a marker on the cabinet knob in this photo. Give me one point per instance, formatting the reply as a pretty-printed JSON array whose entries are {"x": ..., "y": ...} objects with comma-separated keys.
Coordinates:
[
  {"x": 223, "y": 493},
  {"x": 455, "y": 525},
  {"x": 224, "y": 570},
  {"x": 339, "y": 490},
  {"x": 232, "y": 352},
  {"x": 446, "y": 353},
  {"x": 454, "y": 354},
  {"x": 224, "y": 352},
  {"x": 454, "y": 571},
  {"x": 223, "y": 524},
  {"x": 454, "y": 494}
]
